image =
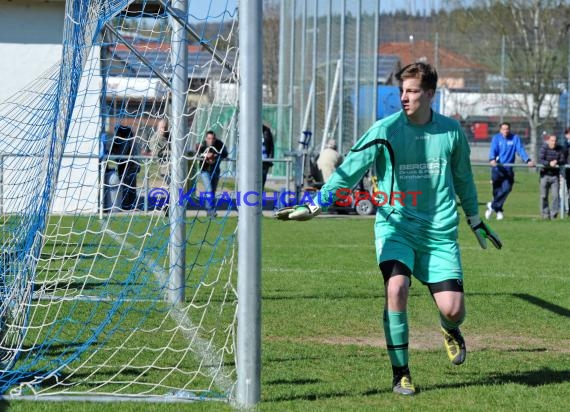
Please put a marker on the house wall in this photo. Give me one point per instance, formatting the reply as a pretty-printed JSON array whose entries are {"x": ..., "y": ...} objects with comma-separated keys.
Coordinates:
[
  {"x": 467, "y": 104},
  {"x": 31, "y": 36}
]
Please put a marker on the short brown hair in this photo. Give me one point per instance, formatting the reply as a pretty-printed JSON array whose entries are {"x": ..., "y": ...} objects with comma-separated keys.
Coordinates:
[{"x": 418, "y": 70}]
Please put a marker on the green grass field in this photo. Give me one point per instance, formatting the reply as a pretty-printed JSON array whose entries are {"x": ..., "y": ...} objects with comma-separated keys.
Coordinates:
[{"x": 323, "y": 346}]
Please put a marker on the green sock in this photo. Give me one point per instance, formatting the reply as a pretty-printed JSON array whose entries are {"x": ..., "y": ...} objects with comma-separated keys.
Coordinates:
[
  {"x": 449, "y": 324},
  {"x": 396, "y": 331}
]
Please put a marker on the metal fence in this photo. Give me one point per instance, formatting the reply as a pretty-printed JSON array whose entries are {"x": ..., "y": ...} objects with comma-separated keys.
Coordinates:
[
  {"x": 327, "y": 71},
  {"x": 108, "y": 186}
]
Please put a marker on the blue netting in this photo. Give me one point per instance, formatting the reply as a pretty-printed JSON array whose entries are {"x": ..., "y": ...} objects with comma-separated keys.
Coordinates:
[{"x": 84, "y": 267}]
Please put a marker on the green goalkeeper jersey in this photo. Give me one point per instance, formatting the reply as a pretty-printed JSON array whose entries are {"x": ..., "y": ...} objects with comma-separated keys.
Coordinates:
[{"x": 420, "y": 171}]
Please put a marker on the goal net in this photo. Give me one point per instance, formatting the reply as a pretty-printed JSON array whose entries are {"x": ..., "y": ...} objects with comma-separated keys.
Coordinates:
[{"x": 86, "y": 201}]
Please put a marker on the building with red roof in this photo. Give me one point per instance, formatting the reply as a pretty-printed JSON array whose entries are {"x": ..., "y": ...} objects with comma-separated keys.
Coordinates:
[{"x": 455, "y": 71}]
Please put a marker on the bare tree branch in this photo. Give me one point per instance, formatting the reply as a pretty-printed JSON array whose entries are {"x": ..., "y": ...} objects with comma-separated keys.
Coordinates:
[{"x": 536, "y": 33}]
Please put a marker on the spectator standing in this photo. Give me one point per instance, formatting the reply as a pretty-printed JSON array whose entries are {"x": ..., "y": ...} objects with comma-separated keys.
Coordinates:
[
  {"x": 551, "y": 157},
  {"x": 567, "y": 139},
  {"x": 160, "y": 148},
  {"x": 504, "y": 148},
  {"x": 211, "y": 150},
  {"x": 267, "y": 152},
  {"x": 124, "y": 145},
  {"x": 329, "y": 160},
  {"x": 566, "y": 173}
]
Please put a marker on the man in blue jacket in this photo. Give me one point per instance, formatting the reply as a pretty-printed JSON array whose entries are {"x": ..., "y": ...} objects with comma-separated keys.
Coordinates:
[{"x": 504, "y": 147}]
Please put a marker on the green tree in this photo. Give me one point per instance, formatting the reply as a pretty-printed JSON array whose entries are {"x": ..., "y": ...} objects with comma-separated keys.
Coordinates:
[{"x": 536, "y": 36}]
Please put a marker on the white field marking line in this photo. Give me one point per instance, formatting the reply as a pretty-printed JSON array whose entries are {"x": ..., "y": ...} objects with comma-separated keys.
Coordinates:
[{"x": 201, "y": 346}]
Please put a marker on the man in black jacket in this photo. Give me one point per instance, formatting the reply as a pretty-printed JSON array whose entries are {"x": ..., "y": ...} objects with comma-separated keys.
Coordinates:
[
  {"x": 551, "y": 157},
  {"x": 124, "y": 145},
  {"x": 211, "y": 150},
  {"x": 267, "y": 152}
]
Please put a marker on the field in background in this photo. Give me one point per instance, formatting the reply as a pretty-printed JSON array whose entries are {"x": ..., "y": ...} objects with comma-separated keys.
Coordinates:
[
  {"x": 524, "y": 200},
  {"x": 323, "y": 345}
]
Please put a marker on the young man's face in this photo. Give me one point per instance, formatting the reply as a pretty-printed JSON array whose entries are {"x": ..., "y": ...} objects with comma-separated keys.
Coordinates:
[
  {"x": 210, "y": 139},
  {"x": 505, "y": 130},
  {"x": 162, "y": 126},
  {"x": 415, "y": 101},
  {"x": 552, "y": 141}
]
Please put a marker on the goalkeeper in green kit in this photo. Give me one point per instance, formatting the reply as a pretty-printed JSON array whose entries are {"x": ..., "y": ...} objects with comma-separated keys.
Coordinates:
[{"x": 421, "y": 159}]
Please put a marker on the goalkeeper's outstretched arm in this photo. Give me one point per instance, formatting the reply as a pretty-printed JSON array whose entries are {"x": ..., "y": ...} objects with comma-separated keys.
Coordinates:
[
  {"x": 358, "y": 161},
  {"x": 300, "y": 212}
]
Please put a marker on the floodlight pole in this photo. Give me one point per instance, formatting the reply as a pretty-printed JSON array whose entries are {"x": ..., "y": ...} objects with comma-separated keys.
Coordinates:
[
  {"x": 568, "y": 86},
  {"x": 281, "y": 76},
  {"x": 376, "y": 52},
  {"x": 502, "y": 78},
  {"x": 178, "y": 132},
  {"x": 292, "y": 67},
  {"x": 342, "y": 53},
  {"x": 357, "y": 85},
  {"x": 248, "y": 360}
]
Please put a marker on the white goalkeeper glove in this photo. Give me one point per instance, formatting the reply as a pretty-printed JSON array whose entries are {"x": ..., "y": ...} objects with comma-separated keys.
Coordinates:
[
  {"x": 306, "y": 211},
  {"x": 483, "y": 232}
]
